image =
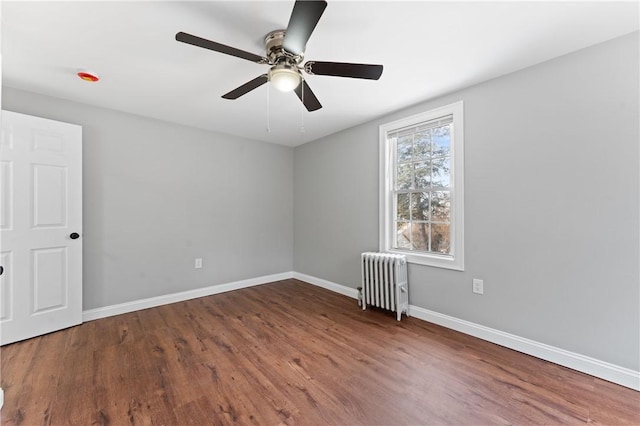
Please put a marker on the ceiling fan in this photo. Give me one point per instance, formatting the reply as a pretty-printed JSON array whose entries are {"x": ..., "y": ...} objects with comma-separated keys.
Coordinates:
[{"x": 285, "y": 53}]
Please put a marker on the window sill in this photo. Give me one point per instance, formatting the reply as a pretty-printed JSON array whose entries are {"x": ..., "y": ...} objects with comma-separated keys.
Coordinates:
[{"x": 445, "y": 262}]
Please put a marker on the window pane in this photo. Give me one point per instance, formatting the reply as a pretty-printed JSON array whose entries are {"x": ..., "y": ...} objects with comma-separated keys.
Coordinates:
[
  {"x": 404, "y": 179},
  {"x": 420, "y": 233},
  {"x": 422, "y": 170},
  {"x": 402, "y": 235},
  {"x": 441, "y": 140},
  {"x": 440, "y": 238},
  {"x": 405, "y": 147},
  {"x": 441, "y": 172},
  {"x": 420, "y": 206},
  {"x": 441, "y": 206},
  {"x": 402, "y": 206},
  {"x": 422, "y": 145}
]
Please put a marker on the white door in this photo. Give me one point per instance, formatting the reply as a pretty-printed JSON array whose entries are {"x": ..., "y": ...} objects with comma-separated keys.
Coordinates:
[{"x": 40, "y": 226}]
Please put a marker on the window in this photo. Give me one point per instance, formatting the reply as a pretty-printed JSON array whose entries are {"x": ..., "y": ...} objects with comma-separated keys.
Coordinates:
[{"x": 422, "y": 187}]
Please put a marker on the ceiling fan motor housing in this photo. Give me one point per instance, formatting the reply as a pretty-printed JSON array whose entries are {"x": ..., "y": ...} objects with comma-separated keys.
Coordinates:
[
  {"x": 285, "y": 71},
  {"x": 276, "y": 53}
]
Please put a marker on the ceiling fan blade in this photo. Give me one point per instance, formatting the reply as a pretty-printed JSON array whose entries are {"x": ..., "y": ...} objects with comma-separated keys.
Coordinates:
[
  {"x": 307, "y": 97},
  {"x": 247, "y": 87},
  {"x": 217, "y": 47},
  {"x": 303, "y": 20},
  {"x": 344, "y": 69}
]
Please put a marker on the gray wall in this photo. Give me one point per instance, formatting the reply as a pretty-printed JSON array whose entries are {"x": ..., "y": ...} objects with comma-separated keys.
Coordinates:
[
  {"x": 551, "y": 214},
  {"x": 158, "y": 195}
]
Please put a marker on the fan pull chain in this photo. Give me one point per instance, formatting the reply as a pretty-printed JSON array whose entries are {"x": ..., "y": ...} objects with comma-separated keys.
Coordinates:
[
  {"x": 268, "y": 112},
  {"x": 302, "y": 109}
]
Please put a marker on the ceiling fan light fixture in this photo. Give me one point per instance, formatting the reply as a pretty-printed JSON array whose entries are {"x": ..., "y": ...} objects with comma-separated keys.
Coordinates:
[{"x": 284, "y": 78}]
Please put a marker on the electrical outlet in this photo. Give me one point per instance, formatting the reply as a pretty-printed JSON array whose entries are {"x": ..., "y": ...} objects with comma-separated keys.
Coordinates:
[
  {"x": 198, "y": 262},
  {"x": 478, "y": 286}
]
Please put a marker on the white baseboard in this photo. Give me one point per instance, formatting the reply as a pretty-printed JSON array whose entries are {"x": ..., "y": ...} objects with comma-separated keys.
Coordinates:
[
  {"x": 594, "y": 367},
  {"x": 338, "y": 288},
  {"x": 123, "y": 308},
  {"x": 604, "y": 370}
]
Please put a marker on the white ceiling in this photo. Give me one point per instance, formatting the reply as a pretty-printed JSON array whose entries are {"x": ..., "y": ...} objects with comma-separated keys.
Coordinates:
[{"x": 427, "y": 49}]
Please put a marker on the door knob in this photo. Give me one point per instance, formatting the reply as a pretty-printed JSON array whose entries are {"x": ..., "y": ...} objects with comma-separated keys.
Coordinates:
[
  {"x": 1, "y": 270},
  {"x": 74, "y": 235}
]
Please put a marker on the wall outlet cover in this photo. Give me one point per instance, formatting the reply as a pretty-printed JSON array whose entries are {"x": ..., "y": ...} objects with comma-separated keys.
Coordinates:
[{"x": 478, "y": 286}]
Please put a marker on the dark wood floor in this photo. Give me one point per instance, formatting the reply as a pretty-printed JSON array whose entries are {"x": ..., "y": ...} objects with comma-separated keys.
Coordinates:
[{"x": 290, "y": 353}]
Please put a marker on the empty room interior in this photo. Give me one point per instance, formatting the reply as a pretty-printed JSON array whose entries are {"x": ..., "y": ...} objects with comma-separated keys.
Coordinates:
[{"x": 310, "y": 212}]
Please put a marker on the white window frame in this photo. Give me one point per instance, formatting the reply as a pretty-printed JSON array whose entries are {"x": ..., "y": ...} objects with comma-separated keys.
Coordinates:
[{"x": 387, "y": 200}]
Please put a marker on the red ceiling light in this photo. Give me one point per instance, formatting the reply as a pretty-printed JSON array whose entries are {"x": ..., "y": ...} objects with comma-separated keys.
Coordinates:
[{"x": 87, "y": 76}]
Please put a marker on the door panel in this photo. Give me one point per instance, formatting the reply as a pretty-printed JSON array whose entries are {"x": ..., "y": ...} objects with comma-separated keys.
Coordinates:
[
  {"x": 49, "y": 195},
  {"x": 46, "y": 140},
  {"x": 41, "y": 205},
  {"x": 50, "y": 282},
  {"x": 6, "y": 194}
]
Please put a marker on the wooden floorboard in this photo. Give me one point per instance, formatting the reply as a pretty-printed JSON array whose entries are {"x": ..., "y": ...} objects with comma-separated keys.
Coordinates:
[{"x": 290, "y": 353}]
